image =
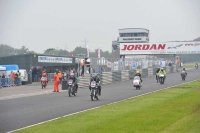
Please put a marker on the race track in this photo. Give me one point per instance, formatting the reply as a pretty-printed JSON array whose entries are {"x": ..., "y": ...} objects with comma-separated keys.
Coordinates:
[{"x": 21, "y": 112}]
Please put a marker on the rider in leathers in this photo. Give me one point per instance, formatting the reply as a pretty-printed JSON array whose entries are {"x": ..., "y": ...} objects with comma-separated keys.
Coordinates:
[
  {"x": 74, "y": 79},
  {"x": 163, "y": 72},
  {"x": 138, "y": 74},
  {"x": 97, "y": 79},
  {"x": 185, "y": 71}
]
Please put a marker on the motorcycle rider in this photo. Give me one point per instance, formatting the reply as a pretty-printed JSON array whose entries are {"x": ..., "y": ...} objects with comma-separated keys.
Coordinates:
[
  {"x": 138, "y": 74},
  {"x": 196, "y": 65},
  {"x": 184, "y": 71},
  {"x": 97, "y": 80},
  {"x": 44, "y": 76},
  {"x": 74, "y": 79},
  {"x": 162, "y": 71},
  {"x": 158, "y": 69}
]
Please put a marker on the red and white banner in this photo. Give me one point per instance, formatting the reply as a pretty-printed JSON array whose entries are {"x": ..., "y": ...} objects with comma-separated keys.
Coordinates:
[
  {"x": 160, "y": 48},
  {"x": 99, "y": 50}
]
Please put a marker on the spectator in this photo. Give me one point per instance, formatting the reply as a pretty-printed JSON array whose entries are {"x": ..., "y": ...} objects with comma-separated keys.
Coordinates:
[
  {"x": 3, "y": 80},
  {"x": 13, "y": 79},
  {"x": 83, "y": 64}
]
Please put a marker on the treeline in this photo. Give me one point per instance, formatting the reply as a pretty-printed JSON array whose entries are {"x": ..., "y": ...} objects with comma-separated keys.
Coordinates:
[{"x": 6, "y": 50}]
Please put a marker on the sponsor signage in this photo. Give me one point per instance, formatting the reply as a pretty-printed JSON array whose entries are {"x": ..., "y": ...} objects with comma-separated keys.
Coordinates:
[
  {"x": 50, "y": 59},
  {"x": 133, "y": 39},
  {"x": 160, "y": 48}
]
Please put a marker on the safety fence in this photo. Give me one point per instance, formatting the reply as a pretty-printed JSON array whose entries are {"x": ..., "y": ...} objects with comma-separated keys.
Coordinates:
[
  {"x": 117, "y": 64},
  {"x": 7, "y": 82},
  {"x": 124, "y": 75}
]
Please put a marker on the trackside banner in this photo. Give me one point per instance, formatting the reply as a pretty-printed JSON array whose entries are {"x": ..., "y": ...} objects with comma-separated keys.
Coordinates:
[{"x": 160, "y": 48}]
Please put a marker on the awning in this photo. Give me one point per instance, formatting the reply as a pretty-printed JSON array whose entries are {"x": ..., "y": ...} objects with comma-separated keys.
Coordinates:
[{"x": 2, "y": 68}]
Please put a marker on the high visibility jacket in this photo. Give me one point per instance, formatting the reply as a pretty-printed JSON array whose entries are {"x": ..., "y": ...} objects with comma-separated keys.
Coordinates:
[{"x": 164, "y": 72}]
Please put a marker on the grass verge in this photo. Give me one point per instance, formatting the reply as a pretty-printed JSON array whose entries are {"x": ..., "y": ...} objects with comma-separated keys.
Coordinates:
[{"x": 174, "y": 110}]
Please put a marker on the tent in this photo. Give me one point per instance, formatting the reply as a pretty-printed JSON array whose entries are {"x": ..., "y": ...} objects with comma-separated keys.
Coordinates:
[{"x": 2, "y": 68}]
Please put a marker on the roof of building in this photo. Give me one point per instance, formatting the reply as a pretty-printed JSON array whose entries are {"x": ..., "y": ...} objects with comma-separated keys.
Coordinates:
[{"x": 133, "y": 28}]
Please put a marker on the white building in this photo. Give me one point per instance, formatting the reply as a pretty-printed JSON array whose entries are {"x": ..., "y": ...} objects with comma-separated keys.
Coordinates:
[{"x": 131, "y": 35}]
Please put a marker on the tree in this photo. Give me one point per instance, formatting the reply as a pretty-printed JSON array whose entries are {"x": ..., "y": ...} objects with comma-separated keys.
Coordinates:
[{"x": 6, "y": 50}]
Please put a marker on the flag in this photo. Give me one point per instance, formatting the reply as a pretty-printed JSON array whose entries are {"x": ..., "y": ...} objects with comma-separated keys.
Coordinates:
[
  {"x": 72, "y": 53},
  {"x": 99, "y": 56}
]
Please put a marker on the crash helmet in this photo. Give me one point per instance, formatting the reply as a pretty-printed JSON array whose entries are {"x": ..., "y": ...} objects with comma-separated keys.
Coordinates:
[
  {"x": 161, "y": 69},
  {"x": 71, "y": 75},
  {"x": 137, "y": 72},
  {"x": 184, "y": 68},
  {"x": 94, "y": 75}
]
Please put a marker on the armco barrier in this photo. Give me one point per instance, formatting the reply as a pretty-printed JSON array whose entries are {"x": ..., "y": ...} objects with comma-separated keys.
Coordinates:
[
  {"x": 145, "y": 72},
  {"x": 167, "y": 69},
  {"x": 150, "y": 72},
  {"x": 107, "y": 77},
  {"x": 125, "y": 75},
  {"x": 132, "y": 74},
  {"x": 116, "y": 76},
  {"x": 171, "y": 69}
]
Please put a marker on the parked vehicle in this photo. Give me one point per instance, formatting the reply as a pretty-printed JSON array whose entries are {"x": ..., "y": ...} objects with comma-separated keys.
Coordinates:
[{"x": 24, "y": 76}]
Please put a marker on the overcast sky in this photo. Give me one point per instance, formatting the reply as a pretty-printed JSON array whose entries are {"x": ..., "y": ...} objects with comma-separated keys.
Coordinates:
[{"x": 42, "y": 24}]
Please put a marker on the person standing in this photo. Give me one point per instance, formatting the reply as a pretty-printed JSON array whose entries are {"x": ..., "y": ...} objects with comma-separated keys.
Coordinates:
[
  {"x": 56, "y": 82},
  {"x": 83, "y": 64}
]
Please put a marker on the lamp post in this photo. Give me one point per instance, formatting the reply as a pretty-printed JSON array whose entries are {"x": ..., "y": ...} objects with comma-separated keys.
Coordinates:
[{"x": 79, "y": 61}]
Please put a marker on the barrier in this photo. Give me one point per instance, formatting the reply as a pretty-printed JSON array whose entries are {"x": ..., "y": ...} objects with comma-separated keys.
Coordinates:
[{"x": 124, "y": 75}]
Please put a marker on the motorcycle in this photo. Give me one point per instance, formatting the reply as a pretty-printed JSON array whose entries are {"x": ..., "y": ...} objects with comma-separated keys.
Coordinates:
[
  {"x": 183, "y": 75},
  {"x": 136, "y": 82},
  {"x": 43, "y": 82},
  {"x": 94, "y": 91},
  {"x": 161, "y": 78},
  {"x": 196, "y": 66},
  {"x": 71, "y": 88}
]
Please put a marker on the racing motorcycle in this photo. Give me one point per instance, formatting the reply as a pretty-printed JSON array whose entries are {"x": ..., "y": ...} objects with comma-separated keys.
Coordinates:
[
  {"x": 137, "y": 83},
  {"x": 196, "y": 66},
  {"x": 94, "y": 91},
  {"x": 161, "y": 78},
  {"x": 71, "y": 88},
  {"x": 183, "y": 75},
  {"x": 43, "y": 81}
]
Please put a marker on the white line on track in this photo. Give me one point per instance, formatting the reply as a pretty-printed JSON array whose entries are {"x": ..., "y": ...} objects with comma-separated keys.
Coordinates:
[{"x": 99, "y": 107}]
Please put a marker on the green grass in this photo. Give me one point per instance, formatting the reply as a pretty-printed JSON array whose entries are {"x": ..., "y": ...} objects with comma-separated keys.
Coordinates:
[
  {"x": 175, "y": 110},
  {"x": 189, "y": 65}
]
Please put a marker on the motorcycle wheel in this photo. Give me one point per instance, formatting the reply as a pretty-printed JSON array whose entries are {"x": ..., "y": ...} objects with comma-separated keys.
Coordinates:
[
  {"x": 69, "y": 91},
  {"x": 42, "y": 86},
  {"x": 92, "y": 95}
]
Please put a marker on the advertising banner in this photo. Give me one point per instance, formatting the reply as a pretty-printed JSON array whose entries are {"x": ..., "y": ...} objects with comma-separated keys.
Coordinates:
[
  {"x": 162, "y": 63},
  {"x": 160, "y": 48},
  {"x": 144, "y": 64},
  {"x": 109, "y": 64},
  {"x": 134, "y": 65},
  {"x": 50, "y": 59},
  {"x": 116, "y": 65}
]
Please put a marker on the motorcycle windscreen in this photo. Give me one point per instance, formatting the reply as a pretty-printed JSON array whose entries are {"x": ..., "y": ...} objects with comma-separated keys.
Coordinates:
[{"x": 70, "y": 82}]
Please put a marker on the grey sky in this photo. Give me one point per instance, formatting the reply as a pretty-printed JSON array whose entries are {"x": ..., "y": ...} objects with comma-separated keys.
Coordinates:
[{"x": 42, "y": 24}]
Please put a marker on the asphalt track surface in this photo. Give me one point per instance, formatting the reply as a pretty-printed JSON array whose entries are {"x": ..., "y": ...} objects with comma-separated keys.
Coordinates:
[{"x": 25, "y": 111}]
